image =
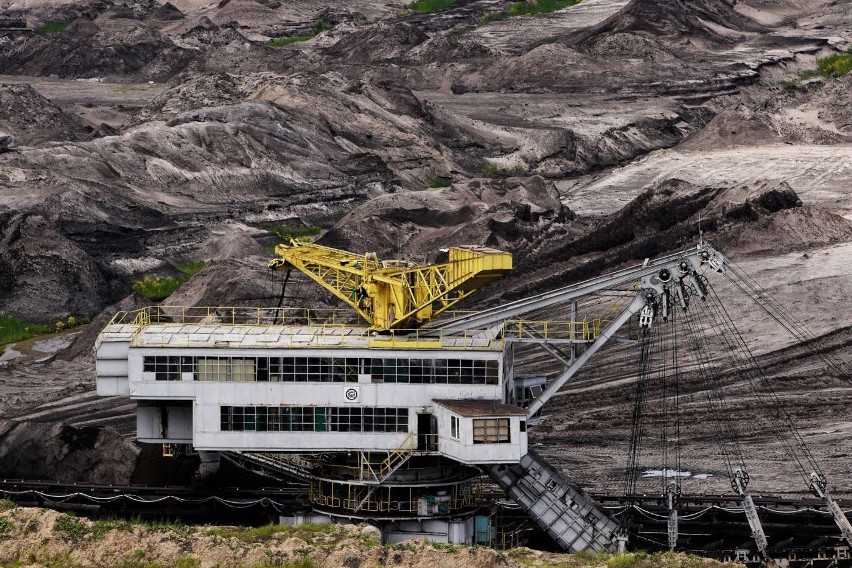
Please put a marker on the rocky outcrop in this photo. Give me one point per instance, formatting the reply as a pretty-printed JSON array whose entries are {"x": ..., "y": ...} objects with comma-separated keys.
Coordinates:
[
  {"x": 28, "y": 118},
  {"x": 30, "y": 450}
]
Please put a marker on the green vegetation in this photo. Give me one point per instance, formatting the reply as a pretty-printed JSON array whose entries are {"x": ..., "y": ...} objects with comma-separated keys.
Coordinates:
[
  {"x": 830, "y": 67},
  {"x": 47, "y": 560},
  {"x": 190, "y": 267},
  {"x": 493, "y": 170},
  {"x": 6, "y": 505},
  {"x": 427, "y": 6},
  {"x": 54, "y": 27},
  {"x": 157, "y": 287},
  {"x": 319, "y": 26},
  {"x": 439, "y": 182},
  {"x": 304, "y": 562},
  {"x": 835, "y": 65},
  {"x": 307, "y": 532},
  {"x": 101, "y": 527},
  {"x": 71, "y": 528},
  {"x": 530, "y": 8},
  {"x": 286, "y": 232},
  {"x": 279, "y": 41},
  {"x": 626, "y": 560},
  {"x": 13, "y": 329},
  {"x": 5, "y": 528},
  {"x": 161, "y": 287}
]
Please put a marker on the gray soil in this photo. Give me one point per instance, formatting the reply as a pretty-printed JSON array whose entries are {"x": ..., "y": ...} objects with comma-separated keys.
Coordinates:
[{"x": 146, "y": 134}]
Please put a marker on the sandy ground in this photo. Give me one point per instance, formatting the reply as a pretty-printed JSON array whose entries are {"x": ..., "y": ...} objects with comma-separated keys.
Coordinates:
[
  {"x": 512, "y": 36},
  {"x": 97, "y": 102},
  {"x": 821, "y": 175}
]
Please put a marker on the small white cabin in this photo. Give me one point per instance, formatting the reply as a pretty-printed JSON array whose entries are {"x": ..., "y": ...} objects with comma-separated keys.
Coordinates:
[{"x": 481, "y": 431}]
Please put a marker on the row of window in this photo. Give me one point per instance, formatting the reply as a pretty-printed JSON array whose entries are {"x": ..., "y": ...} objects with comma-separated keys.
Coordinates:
[
  {"x": 323, "y": 369},
  {"x": 313, "y": 419}
]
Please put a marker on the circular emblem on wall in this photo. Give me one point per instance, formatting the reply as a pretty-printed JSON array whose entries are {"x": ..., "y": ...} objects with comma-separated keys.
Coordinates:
[{"x": 351, "y": 394}]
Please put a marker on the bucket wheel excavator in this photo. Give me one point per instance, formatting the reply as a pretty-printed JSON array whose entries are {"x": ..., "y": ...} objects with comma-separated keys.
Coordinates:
[{"x": 401, "y": 297}]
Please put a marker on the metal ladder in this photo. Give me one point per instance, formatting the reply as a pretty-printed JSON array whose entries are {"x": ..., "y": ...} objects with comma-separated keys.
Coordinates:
[{"x": 571, "y": 518}]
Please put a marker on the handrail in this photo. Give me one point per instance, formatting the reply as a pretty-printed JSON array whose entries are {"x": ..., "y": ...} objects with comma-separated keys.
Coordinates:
[{"x": 322, "y": 325}]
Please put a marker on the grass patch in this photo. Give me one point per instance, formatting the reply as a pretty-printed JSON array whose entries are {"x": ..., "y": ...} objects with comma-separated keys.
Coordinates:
[
  {"x": 307, "y": 532},
  {"x": 6, "y": 505},
  {"x": 70, "y": 528},
  {"x": 439, "y": 182},
  {"x": 5, "y": 528},
  {"x": 54, "y": 27},
  {"x": 530, "y": 8},
  {"x": 158, "y": 288},
  {"x": 101, "y": 527},
  {"x": 304, "y": 562},
  {"x": 319, "y": 26},
  {"x": 279, "y": 41},
  {"x": 489, "y": 169},
  {"x": 287, "y": 233},
  {"x": 190, "y": 267},
  {"x": 831, "y": 67},
  {"x": 427, "y": 6},
  {"x": 626, "y": 560},
  {"x": 835, "y": 65},
  {"x": 13, "y": 329}
]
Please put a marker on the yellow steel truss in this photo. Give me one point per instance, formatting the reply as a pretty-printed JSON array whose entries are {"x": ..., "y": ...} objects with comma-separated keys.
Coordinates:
[{"x": 391, "y": 294}]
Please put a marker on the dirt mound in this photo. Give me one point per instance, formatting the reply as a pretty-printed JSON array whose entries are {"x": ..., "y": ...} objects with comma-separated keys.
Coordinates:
[
  {"x": 191, "y": 92},
  {"x": 228, "y": 283},
  {"x": 59, "y": 452},
  {"x": 167, "y": 12},
  {"x": 32, "y": 119},
  {"x": 380, "y": 43},
  {"x": 496, "y": 213},
  {"x": 121, "y": 47},
  {"x": 733, "y": 128},
  {"x": 746, "y": 219},
  {"x": 82, "y": 29},
  {"x": 44, "y": 535},
  {"x": 43, "y": 274},
  {"x": 674, "y": 21}
]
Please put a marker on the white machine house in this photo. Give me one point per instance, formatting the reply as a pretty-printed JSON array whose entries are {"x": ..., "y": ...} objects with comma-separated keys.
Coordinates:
[{"x": 396, "y": 419}]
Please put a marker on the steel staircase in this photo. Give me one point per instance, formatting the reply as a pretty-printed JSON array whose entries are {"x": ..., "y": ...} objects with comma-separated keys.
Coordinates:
[
  {"x": 391, "y": 463},
  {"x": 281, "y": 467},
  {"x": 571, "y": 518}
]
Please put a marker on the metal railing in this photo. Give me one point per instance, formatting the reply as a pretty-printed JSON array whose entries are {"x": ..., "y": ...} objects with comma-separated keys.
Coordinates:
[
  {"x": 285, "y": 327},
  {"x": 235, "y": 316}
]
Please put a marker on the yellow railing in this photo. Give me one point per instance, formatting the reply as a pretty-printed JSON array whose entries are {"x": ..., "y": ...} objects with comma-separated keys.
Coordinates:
[
  {"x": 234, "y": 316},
  {"x": 584, "y": 330},
  {"x": 390, "y": 463},
  {"x": 386, "y": 499},
  {"x": 285, "y": 327}
]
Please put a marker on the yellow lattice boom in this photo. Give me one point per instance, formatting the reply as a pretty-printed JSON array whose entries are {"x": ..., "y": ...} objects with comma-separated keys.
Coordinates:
[{"x": 394, "y": 294}]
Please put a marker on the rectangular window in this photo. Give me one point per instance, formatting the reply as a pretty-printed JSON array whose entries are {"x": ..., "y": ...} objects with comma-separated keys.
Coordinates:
[
  {"x": 324, "y": 369},
  {"x": 165, "y": 368},
  {"x": 491, "y": 431},
  {"x": 242, "y": 370},
  {"x": 312, "y": 419},
  {"x": 454, "y": 427}
]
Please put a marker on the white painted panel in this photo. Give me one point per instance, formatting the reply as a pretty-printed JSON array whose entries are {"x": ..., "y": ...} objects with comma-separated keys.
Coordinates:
[
  {"x": 112, "y": 386},
  {"x": 111, "y": 368},
  {"x": 113, "y": 350}
]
